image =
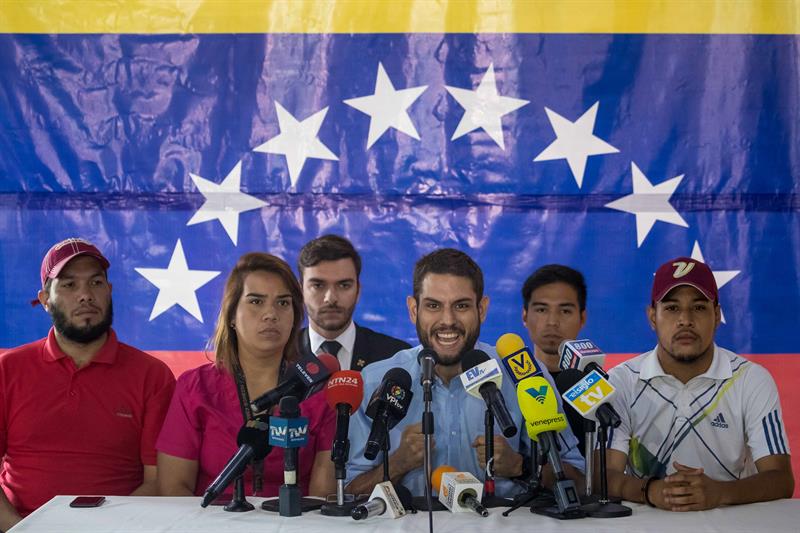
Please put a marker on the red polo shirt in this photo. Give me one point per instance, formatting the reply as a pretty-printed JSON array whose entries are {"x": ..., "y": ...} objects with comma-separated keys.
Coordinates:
[{"x": 65, "y": 430}]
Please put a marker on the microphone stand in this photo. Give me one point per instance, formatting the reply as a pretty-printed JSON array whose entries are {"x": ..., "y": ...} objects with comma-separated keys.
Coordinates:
[
  {"x": 427, "y": 433},
  {"x": 489, "y": 499},
  {"x": 344, "y": 502},
  {"x": 534, "y": 494},
  {"x": 604, "y": 508},
  {"x": 238, "y": 503}
]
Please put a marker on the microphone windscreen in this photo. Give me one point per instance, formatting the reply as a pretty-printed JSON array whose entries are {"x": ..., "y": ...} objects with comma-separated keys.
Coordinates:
[
  {"x": 567, "y": 378},
  {"x": 427, "y": 352},
  {"x": 473, "y": 358},
  {"x": 330, "y": 362},
  {"x": 289, "y": 407},
  {"x": 399, "y": 376},
  {"x": 508, "y": 344},
  {"x": 256, "y": 438},
  {"x": 345, "y": 386},
  {"x": 436, "y": 476}
]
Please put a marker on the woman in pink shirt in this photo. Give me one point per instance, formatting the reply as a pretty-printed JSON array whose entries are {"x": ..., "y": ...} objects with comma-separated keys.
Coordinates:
[{"x": 255, "y": 338}]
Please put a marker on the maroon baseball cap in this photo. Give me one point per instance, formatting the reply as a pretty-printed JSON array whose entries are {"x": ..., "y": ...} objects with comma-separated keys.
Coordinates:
[
  {"x": 62, "y": 253},
  {"x": 684, "y": 271}
]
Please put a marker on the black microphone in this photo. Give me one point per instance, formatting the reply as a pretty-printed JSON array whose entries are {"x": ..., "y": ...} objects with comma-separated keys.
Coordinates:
[
  {"x": 289, "y": 431},
  {"x": 304, "y": 375},
  {"x": 253, "y": 441},
  {"x": 387, "y": 406},
  {"x": 481, "y": 376},
  {"x": 428, "y": 359}
]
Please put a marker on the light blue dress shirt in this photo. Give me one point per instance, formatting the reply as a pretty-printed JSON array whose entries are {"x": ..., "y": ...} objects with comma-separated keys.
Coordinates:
[{"x": 458, "y": 420}]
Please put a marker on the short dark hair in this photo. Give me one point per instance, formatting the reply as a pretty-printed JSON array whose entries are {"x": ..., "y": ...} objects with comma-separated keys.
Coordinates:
[
  {"x": 448, "y": 261},
  {"x": 327, "y": 248},
  {"x": 553, "y": 274}
]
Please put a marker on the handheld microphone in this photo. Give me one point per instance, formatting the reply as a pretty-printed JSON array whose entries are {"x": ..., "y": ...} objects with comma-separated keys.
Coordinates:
[
  {"x": 289, "y": 431},
  {"x": 482, "y": 378},
  {"x": 539, "y": 407},
  {"x": 517, "y": 358},
  {"x": 253, "y": 446},
  {"x": 460, "y": 492},
  {"x": 382, "y": 500},
  {"x": 583, "y": 355},
  {"x": 304, "y": 375},
  {"x": 387, "y": 406},
  {"x": 344, "y": 393},
  {"x": 428, "y": 359}
]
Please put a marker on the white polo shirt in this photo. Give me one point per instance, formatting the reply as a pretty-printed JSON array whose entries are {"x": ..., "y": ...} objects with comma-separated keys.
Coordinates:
[{"x": 723, "y": 420}]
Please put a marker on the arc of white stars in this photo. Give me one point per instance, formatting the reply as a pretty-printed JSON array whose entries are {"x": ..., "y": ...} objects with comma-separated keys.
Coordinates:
[
  {"x": 298, "y": 141},
  {"x": 649, "y": 203},
  {"x": 177, "y": 285},
  {"x": 387, "y": 107},
  {"x": 224, "y": 202},
  {"x": 722, "y": 277},
  {"x": 484, "y": 108},
  {"x": 575, "y": 142}
]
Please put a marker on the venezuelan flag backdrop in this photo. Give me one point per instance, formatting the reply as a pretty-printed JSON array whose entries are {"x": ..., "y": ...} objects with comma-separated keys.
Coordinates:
[{"x": 610, "y": 136}]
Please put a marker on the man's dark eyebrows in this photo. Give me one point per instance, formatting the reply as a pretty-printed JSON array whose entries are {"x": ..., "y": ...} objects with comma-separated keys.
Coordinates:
[{"x": 430, "y": 300}]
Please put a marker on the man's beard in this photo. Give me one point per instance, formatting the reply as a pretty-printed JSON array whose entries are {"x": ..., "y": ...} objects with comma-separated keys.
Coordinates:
[
  {"x": 81, "y": 335},
  {"x": 333, "y": 326},
  {"x": 469, "y": 344}
]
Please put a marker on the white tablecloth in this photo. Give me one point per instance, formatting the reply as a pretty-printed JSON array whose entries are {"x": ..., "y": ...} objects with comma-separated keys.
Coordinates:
[{"x": 154, "y": 514}]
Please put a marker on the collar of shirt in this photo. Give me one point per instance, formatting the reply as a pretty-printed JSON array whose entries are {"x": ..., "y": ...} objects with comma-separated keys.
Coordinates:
[
  {"x": 107, "y": 354},
  {"x": 720, "y": 367},
  {"x": 347, "y": 339}
]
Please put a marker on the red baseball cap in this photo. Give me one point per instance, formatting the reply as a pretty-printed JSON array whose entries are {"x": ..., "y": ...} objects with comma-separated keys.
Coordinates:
[
  {"x": 684, "y": 271},
  {"x": 62, "y": 253}
]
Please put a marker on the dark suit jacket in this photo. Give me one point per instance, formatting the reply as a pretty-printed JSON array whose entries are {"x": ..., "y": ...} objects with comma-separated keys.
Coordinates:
[{"x": 370, "y": 346}]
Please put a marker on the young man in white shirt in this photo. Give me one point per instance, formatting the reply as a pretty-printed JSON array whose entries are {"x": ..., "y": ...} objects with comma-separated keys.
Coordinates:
[{"x": 701, "y": 426}]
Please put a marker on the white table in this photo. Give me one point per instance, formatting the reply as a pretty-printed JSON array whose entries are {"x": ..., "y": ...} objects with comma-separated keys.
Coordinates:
[{"x": 154, "y": 514}]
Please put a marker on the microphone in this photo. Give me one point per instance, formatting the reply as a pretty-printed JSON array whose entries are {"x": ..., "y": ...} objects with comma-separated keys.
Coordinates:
[
  {"x": 289, "y": 431},
  {"x": 428, "y": 359},
  {"x": 460, "y": 492},
  {"x": 436, "y": 476},
  {"x": 387, "y": 406},
  {"x": 539, "y": 407},
  {"x": 304, "y": 375},
  {"x": 344, "y": 394},
  {"x": 590, "y": 397},
  {"x": 583, "y": 355},
  {"x": 382, "y": 500},
  {"x": 517, "y": 358},
  {"x": 482, "y": 378},
  {"x": 253, "y": 446}
]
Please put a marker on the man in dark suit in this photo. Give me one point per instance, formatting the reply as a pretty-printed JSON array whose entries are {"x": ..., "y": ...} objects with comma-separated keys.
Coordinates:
[{"x": 329, "y": 269}]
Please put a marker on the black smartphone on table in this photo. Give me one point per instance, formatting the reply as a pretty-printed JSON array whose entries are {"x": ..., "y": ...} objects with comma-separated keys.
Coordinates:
[{"x": 87, "y": 501}]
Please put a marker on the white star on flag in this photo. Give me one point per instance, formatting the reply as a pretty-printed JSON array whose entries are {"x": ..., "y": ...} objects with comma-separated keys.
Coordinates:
[
  {"x": 387, "y": 107},
  {"x": 224, "y": 202},
  {"x": 722, "y": 277},
  {"x": 484, "y": 108},
  {"x": 177, "y": 284},
  {"x": 575, "y": 141},
  {"x": 649, "y": 203},
  {"x": 297, "y": 141}
]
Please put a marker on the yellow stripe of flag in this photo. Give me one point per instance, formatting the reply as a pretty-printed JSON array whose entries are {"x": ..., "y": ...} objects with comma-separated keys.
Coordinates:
[{"x": 400, "y": 16}]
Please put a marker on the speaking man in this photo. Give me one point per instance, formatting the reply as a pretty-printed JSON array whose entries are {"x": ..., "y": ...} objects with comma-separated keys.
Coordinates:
[
  {"x": 79, "y": 410},
  {"x": 329, "y": 269},
  {"x": 447, "y": 308},
  {"x": 701, "y": 426}
]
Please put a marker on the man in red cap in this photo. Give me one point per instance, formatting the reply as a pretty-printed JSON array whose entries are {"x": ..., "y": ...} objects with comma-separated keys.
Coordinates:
[
  {"x": 701, "y": 426},
  {"x": 79, "y": 410}
]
